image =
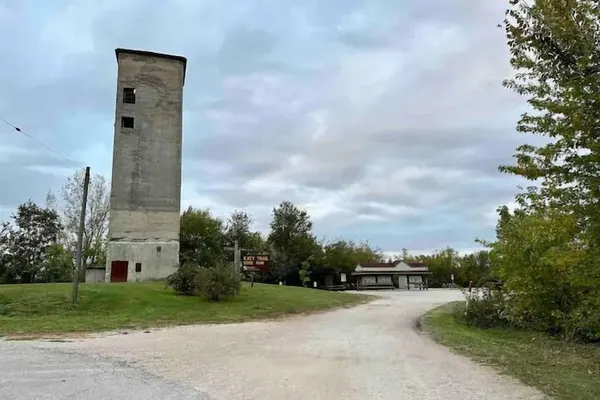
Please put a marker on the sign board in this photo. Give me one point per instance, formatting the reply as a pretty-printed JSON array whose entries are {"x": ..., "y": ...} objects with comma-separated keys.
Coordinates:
[
  {"x": 343, "y": 277},
  {"x": 256, "y": 262}
]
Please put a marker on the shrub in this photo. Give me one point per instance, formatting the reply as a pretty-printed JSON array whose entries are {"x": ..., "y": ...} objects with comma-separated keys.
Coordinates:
[
  {"x": 483, "y": 309},
  {"x": 185, "y": 280},
  {"x": 218, "y": 283}
]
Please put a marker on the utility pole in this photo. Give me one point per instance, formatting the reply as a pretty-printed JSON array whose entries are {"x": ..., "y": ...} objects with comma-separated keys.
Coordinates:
[{"x": 78, "y": 256}]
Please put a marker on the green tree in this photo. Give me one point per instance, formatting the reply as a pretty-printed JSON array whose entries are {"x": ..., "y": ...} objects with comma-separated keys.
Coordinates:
[
  {"x": 239, "y": 227},
  {"x": 555, "y": 50},
  {"x": 291, "y": 241},
  {"x": 475, "y": 267},
  {"x": 344, "y": 256},
  {"x": 24, "y": 243},
  {"x": 443, "y": 264},
  {"x": 202, "y": 238},
  {"x": 57, "y": 266},
  {"x": 538, "y": 257}
]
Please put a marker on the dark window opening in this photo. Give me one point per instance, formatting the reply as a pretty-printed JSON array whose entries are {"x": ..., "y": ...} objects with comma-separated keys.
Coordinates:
[
  {"x": 129, "y": 95},
  {"x": 127, "y": 122},
  {"x": 138, "y": 267}
]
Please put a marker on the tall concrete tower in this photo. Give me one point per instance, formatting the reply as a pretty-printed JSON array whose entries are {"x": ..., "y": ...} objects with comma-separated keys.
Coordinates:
[{"x": 143, "y": 230}]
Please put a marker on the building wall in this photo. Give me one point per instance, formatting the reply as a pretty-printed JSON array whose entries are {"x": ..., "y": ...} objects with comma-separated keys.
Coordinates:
[
  {"x": 415, "y": 281},
  {"x": 375, "y": 280},
  {"x": 402, "y": 282},
  {"x": 368, "y": 280},
  {"x": 95, "y": 275},
  {"x": 158, "y": 259},
  {"x": 146, "y": 174}
]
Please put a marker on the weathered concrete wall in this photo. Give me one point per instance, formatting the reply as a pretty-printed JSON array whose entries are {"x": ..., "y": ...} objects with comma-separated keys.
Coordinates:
[
  {"x": 158, "y": 259},
  {"x": 95, "y": 275},
  {"x": 146, "y": 174},
  {"x": 144, "y": 225}
]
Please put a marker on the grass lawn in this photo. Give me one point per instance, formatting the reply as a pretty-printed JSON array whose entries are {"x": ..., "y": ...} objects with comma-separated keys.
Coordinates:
[
  {"x": 565, "y": 371},
  {"x": 46, "y": 308}
]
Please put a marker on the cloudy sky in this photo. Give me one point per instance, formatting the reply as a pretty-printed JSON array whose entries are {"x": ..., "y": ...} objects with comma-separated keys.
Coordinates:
[{"x": 385, "y": 119}]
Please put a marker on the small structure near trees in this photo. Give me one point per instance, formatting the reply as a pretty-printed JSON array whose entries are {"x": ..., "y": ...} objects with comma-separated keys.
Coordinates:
[
  {"x": 391, "y": 275},
  {"x": 95, "y": 274}
]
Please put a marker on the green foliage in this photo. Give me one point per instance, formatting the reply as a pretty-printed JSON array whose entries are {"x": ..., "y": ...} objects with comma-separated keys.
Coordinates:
[
  {"x": 541, "y": 261},
  {"x": 239, "y": 227},
  {"x": 291, "y": 241},
  {"x": 304, "y": 276},
  {"x": 185, "y": 281},
  {"x": 344, "y": 256},
  {"x": 214, "y": 283},
  {"x": 562, "y": 370},
  {"x": 444, "y": 263},
  {"x": 58, "y": 265},
  {"x": 548, "y": 251},
  {"x": 25, "y": 242},
  {"x": 41, "y": 309},
  {"x": 555, "y": 49},
  {"x": 218, "y": 283},
  {"x": 484, "y": 310},
  {"x": 202, "y": 238}
]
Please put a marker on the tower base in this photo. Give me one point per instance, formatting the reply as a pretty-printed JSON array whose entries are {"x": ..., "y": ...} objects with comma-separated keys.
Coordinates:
[{"x": 141, "y": 261}]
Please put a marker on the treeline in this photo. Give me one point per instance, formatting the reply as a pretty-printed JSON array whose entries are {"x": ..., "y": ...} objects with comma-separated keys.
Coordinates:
[
  {"x": 297, "y": 255},
  {"x": 38, "y": 244},
  {"x": 547, "y": 251}
]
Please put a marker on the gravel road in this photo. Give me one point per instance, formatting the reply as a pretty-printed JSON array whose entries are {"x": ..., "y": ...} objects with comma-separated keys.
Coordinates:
[
  {"x": 368, "y": 352},
  {"x": 29, "y": 372}
]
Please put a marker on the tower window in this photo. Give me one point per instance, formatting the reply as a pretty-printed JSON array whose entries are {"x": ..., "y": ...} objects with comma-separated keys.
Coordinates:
[
  {"x": 138, "y": 267},
  {"x": 127, "y": 122},
  {"x": 129, "y": 95}
]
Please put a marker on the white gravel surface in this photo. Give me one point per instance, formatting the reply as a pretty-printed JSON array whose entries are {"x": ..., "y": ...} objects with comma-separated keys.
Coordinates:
[
  {"x": 31, "y": 373},
  {"x": 368, "y": 352}
]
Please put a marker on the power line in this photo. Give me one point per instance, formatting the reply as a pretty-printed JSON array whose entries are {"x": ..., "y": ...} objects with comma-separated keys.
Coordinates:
[{"x": 50, "y": 149}]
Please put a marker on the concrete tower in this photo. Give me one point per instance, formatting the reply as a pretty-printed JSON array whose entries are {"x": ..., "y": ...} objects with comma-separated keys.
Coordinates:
[{"x": 143, "y": 230}]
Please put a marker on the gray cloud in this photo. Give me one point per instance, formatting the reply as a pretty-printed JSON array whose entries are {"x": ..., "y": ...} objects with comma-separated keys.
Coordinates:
[{"x": 385, "y": 119}]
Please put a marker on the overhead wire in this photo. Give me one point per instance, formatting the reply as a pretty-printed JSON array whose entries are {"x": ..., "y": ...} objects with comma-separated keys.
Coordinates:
[{"x": 39, "y": 142}]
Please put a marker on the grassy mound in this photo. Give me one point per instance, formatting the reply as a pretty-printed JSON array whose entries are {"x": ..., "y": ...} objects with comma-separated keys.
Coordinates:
[
  {"x": 565, "y": 371},
  {"x": 46, "y": 308}
]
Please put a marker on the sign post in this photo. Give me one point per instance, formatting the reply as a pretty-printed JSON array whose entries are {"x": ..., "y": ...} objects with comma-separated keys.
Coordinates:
[
  {"x": 250, "y": 263},
  {"x": 236, "y": 257},
  {"x": 257, "y": 262}
]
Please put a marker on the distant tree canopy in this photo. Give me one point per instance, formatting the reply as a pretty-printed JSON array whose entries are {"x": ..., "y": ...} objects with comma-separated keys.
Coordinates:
[
  {"x": 34, "y": 247},
  {"x": 38, "y": 244},
  {"x": 298, "y": 256},
  {"x": 29, "y": 244},
  {"x": 202, "y": 238}
]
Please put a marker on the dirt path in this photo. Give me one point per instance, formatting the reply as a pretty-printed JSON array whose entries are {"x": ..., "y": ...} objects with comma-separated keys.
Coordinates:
[{"x": 369, "y": 352}]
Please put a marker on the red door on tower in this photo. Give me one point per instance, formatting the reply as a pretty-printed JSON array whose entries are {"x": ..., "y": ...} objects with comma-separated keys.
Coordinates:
[{"x": 118, "y": 271}]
